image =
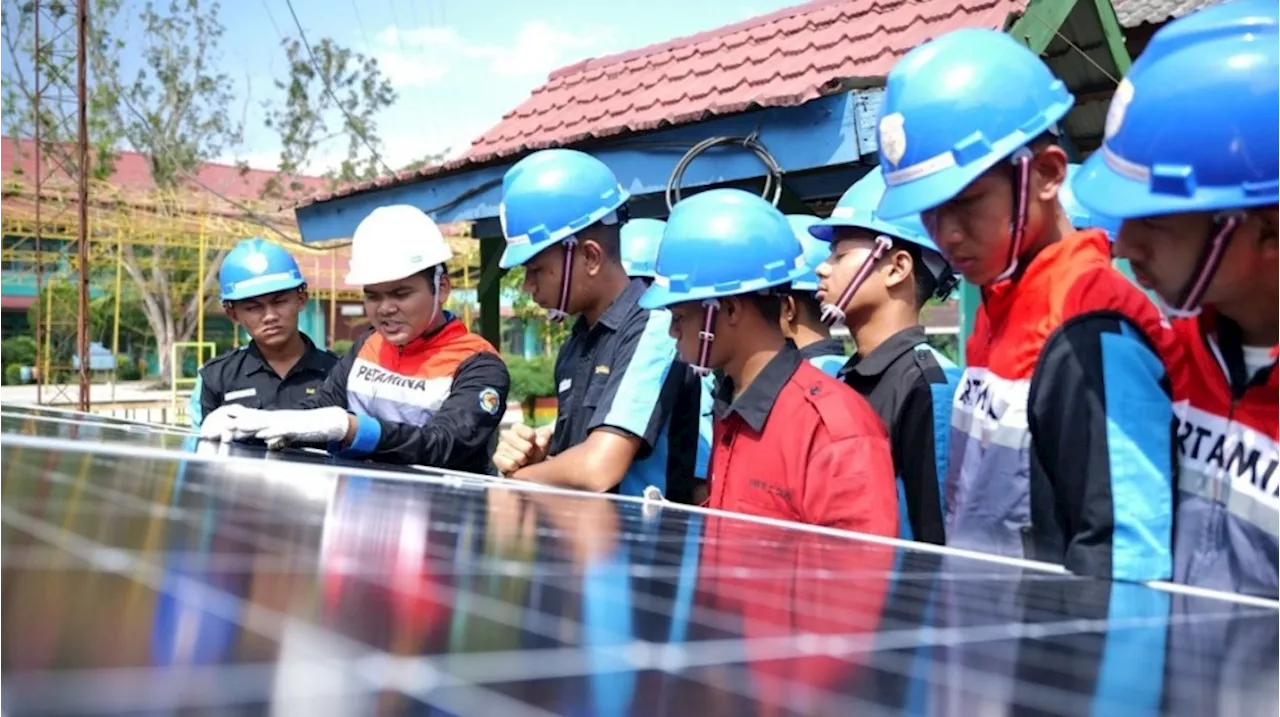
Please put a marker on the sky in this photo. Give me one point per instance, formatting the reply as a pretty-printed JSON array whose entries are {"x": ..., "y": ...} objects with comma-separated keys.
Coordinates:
[{"x": 458, "y": 65}]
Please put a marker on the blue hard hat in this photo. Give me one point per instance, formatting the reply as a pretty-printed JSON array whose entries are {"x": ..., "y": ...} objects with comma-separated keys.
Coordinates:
[
  {"x": 1081, "y": 217},
  {"x": 255, "y": 267},
  {"x": 549, "y": 196},
  {"x": 815, "y": 252},
  {"x": 1193, "y": 127},
  {"x": 955, "y": 106},
  {"x": 640, "y": 241},
  {"x": 857, "y": 209},
  {"x": 723, "y": 242}
]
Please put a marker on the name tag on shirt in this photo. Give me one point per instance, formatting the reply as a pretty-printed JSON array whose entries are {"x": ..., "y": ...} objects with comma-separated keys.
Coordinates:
[
  {"x": 565, "y": 385},
  {"x": 242, "y": 393}
]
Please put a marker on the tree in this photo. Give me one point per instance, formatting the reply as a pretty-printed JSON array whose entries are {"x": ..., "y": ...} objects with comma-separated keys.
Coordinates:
[
  {"x": 57, "y": 56},
  {"x": 134, "y": 330},
  {"x": 330, "y": 92},
  {"x": 176, "y": 111},
  {"x": 429, "y": 160},
  {"x": 551, "y": 334}
]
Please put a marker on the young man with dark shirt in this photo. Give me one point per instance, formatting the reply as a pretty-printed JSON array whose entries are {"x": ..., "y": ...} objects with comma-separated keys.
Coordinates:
[{"x": 878, "y": 276}]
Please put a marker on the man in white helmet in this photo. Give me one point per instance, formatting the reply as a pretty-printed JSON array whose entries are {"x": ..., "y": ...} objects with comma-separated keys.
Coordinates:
[{"x": 418, "y": 387}]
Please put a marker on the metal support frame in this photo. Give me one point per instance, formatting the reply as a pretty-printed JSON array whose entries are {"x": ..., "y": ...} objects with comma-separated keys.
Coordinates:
[{"x": 52, "y": 26}]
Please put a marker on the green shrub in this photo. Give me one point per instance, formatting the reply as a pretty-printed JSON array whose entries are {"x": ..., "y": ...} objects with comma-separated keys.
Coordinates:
[
  {"x": 531, "y": 378},
  {"x": 12, "y": 374},
  {"x": 19, "y": 350},
  {"x": 341, "y": 347},
  {"x": 127, "y": 368}
]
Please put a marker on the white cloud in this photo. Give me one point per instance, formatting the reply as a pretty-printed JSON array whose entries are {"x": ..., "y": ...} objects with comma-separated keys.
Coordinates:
[{"x": 416, "y": 57}]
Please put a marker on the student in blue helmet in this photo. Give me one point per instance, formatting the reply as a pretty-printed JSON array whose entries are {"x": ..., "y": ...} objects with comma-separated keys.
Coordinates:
[
  {"x": 1062, "y": 438},
  {"x": 1079, "y": 214},
  {"x": 262, "y": 291},
  {"x": 790, "y": 442},
  {"x": 802, "y": 322},
  {"x": 877, "y": 277},
  {"x": 617, "y": 375},
  {"x": 1189, "y": 162},
  {"x": 640, "y": 241}
]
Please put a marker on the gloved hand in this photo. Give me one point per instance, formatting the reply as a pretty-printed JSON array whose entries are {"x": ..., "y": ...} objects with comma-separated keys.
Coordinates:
[
  {"x": 232, "y": 422},
  {"x": 318, "y": 425}
]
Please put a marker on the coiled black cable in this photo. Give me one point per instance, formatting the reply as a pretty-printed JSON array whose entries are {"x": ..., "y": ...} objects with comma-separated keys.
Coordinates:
[{"x": 773, "y": 171}]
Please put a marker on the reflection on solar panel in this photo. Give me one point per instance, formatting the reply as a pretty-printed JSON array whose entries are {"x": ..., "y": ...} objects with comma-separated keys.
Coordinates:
[{"x": 141, "y": 573}]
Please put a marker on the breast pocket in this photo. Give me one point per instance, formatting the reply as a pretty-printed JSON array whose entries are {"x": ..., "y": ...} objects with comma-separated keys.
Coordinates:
[{"x": 594, "y": 395}]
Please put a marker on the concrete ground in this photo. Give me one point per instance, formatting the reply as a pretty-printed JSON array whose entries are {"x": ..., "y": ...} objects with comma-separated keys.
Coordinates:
[{"x": 122, "y": 392}]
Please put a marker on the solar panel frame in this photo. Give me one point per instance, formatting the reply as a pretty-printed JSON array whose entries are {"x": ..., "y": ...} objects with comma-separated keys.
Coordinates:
[{"x": 760, "y": 597}]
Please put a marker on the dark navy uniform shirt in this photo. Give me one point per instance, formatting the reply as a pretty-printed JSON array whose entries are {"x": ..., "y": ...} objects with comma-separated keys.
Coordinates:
[
  {"x": 622, "y": 373},
  {"x": 243, "y": 376},
  {"x": 911, "y": 386}
]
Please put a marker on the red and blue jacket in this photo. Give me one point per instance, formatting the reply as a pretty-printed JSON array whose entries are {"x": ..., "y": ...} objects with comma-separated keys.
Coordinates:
[
  {"x": 1228, "y": 486},
  {"x": 1062, "y": 427}
]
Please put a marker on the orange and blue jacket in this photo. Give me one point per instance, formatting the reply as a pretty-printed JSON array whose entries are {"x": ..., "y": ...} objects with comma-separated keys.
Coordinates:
[
  {"x": 436, "y": 401},
  {"x": 1062, "y": 426},
  {"x": 1228, "y": 485}
]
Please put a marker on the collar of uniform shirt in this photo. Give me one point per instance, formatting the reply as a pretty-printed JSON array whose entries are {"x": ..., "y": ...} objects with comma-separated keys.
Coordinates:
[
  {"x": 823, "y": 347},
  {"x": 257, "y": 362},
  {"x": 756, "y": 401},
  {"x": 885, "y": 354},
  {"x": 618, "y": 309}
]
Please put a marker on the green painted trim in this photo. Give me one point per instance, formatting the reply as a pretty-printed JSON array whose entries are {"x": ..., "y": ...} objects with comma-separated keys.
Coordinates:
[
  {"x": 1114, "y": 36},
  {"x": 1041, "y": 21},
  {"x": 490, "y": 289},
  {"x": 970, "y": 300}
]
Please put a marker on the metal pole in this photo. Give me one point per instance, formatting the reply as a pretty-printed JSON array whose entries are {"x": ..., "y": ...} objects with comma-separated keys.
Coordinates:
[
  {"x": 82, "y": 232},
  {"x": 115, "y": 325},
  {"x": 40, "y": 334},
  {"x": 200, "y": 299},
  {"x": 333, "y": 297}
]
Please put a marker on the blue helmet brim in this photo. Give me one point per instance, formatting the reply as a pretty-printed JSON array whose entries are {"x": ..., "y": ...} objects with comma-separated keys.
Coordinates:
[
  {"x": 660, "y": 297},
  {"x": 1105, "y": 191},
  {"x": 263, "y": 289}
]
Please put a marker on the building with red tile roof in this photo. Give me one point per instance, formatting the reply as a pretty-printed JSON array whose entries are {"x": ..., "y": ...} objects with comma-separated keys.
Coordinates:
[{"x": 805, "y": 82}]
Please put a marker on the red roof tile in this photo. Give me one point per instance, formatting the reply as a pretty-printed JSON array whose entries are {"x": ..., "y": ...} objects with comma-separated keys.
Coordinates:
[
  {"x": 782, "y": 59},
  {"x": 325, "y": 270},
  {"x": 133, "y": 174}
]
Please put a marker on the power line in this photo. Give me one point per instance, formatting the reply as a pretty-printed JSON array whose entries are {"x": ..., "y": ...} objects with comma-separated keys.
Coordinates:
[
  {"x": 355, "y": 126},
  {"x": 249, "y": 213}
]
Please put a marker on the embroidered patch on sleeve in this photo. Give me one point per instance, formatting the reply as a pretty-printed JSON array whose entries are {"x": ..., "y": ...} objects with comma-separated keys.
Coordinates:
[{"x": 489, "y": 401}]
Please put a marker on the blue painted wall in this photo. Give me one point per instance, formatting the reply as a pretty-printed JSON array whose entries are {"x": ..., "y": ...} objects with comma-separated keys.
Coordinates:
[{"x": 832, "y": 131}]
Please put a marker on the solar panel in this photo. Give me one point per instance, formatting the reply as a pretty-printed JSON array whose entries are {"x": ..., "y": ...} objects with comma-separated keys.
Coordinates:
[{"x": 142, "y": 572}]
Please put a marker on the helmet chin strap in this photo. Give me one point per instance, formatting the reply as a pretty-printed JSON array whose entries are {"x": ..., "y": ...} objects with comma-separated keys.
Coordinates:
[
  {"x": 560, "y": 313},
  {"x": 1022, "y": 163},
  {"x": 1188, "y": 303},
  {"x": 833, "y": 312},
  {"x": 710, "y": 308}
]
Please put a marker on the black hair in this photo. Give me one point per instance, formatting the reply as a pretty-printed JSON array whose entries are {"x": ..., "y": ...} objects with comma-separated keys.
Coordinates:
[
  {"x": 807, "y": 302},
  {"x": 925, "y": 283},
  {"x": 608, "y": 237},
  {"x": 430, "y": 273},
  {"x": 769, "y": 305}
]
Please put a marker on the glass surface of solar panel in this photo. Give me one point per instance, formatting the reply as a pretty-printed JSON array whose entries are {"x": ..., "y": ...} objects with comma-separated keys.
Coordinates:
[{"x": 142, "y": 573}]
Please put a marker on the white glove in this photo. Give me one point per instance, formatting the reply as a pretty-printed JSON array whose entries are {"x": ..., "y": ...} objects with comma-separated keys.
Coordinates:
[
  {"x": 318, "y": 425},
  {"x": 232, "y": 422}
]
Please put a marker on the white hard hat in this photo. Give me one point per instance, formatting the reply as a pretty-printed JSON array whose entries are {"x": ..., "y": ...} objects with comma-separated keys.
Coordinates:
[{"x": 393, "y": 243}]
